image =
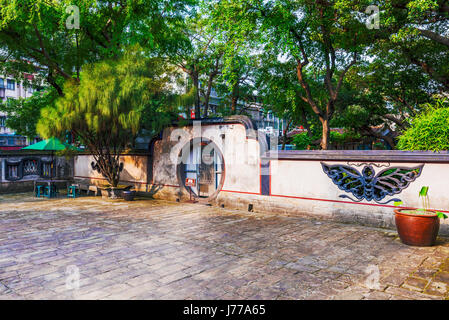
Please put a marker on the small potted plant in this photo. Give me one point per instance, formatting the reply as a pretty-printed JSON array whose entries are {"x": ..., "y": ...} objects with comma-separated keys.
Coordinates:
[{"x": 418, "y": 227}]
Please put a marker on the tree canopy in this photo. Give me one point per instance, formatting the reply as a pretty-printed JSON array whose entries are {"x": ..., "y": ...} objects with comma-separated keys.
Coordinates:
[
  {"x": 39, "y": 35},
  {"x": 316, "y": 64},
  {"x": 104, "y": 110}
]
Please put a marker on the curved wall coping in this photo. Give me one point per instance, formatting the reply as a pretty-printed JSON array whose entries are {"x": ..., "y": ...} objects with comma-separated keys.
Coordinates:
[{"x": 360, "y": 155}]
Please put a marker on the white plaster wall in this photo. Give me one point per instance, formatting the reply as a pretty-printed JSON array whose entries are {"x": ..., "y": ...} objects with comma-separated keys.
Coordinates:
[
  {"x": 307, "y": 179},
  {"x": 241, "y": 155},
  {"x": 134, "y": 170},
  {"x": 242, "y": 161},
  {"x": 297, "y": 186}
]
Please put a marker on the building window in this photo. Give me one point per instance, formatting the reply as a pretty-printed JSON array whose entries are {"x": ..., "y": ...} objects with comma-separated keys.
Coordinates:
[
  {"x": 10, "y": 84},
  {"x": 13, "y": 171},
  {"x": 30, "y": 167},
  {"x": 20, "y": 141},
  {"x": 2, "y": 121},
  {"x": 47, "y": 168},
  {"x": 2, "y": 83}
]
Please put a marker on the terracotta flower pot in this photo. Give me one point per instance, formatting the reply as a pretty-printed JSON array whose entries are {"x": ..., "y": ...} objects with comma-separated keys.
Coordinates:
[{"x": 417, "y": 229}]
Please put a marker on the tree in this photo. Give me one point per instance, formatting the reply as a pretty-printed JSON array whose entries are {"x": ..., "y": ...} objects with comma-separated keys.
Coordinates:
[
  {"x": 201, "y": 60},
  {"x": 104, "y": 109},
  {"x": 237, "y": 85},
  {"x": 23, "y": 114},
  {"x": 429, "y": 130},
  {"x": 320, "y": 38},
  {"x": 35, "y": 38},
  {"x": 417, "y": 31},
  {"x": 280, "y": 92},
  {"x": 383, "y": 95}
]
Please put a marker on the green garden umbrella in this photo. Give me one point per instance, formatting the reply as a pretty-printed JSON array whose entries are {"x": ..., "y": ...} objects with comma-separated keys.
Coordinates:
[{"x": 52, "y": 145}]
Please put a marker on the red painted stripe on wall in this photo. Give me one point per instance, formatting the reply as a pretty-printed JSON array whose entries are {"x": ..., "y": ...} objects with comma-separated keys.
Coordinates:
[
  {"x": 327, "y": 200},
  {"x": 135, "y": 182},
  {"x": 243, "y": 192},
  {"x": 346, "y": 202}
]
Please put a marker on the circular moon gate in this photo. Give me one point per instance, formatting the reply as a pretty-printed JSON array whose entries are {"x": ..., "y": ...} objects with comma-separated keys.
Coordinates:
[{"x": 202, "y": 161}]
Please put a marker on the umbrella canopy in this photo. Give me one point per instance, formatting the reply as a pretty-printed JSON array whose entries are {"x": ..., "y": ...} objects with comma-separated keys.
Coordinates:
[{"x": 51, "y": 144}]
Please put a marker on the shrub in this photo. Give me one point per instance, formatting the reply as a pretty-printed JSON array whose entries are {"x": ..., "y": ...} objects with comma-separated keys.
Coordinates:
[
  {"x": 428, "y": 131},
  {"x": 302, "y": 141}
]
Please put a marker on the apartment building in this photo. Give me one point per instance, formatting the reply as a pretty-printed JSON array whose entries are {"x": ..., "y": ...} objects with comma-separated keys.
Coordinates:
[
  {"x": 10, "y": 88},
  {"x": 264, "y": 120}
]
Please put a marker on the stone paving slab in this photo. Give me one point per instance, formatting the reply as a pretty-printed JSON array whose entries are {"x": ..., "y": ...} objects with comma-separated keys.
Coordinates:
[{"x": 91, "y": 248}]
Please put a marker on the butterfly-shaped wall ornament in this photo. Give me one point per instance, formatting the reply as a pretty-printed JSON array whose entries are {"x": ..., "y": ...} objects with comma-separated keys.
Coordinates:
[{"x": 371, "y": 186}]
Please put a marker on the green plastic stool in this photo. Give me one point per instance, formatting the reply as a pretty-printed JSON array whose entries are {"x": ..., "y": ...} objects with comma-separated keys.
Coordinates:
[
  {"x": 71, "y": 191},
  {"x": 47, "y": 192},
  {"x": 39, "y": 191}
]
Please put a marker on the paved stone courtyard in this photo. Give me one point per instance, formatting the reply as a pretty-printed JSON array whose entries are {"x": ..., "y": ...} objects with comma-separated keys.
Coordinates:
[{"x": 151, "y": 249}]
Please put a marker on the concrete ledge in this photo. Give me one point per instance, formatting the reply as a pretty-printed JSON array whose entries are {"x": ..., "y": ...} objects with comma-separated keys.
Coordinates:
[
  {"x": 360, "y": 156},
  {"x": 16, "y": 186}
]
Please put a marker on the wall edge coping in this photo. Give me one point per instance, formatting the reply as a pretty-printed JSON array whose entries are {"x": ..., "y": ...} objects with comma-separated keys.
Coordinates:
[{"x": 359, "y": 155}]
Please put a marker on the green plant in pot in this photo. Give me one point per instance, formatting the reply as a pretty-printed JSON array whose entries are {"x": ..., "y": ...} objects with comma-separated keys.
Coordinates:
[{"x": 418, "y": 227}]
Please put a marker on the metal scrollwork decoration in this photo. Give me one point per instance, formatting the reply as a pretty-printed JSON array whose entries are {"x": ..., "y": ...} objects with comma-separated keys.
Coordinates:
[
  {"x": 95, "y": 166},
  {"x": 377, "y": 165},
  {"x": 371, "y": 186}
]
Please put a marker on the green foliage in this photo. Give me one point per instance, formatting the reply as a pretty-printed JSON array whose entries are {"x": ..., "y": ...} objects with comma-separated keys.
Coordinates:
[
  {"x": 200, "y": 58},
  {"x": 429, "y": 130},
  {"x": 441, "y": 215},
  {"x": 23, "y": 114},
  {"x": 417, "y": 33},
  {"x": 314, "y": 44},
  {"x": 104, "y": 111},
  {"x": 337, "y": 137},
  {"x": 423, "y": 195},
  {"x": 34, "y": 36},
  {"x": 312, "y": 63},
  {"x": 423, "y": 192},
  {"x": 302, "y": 141}
]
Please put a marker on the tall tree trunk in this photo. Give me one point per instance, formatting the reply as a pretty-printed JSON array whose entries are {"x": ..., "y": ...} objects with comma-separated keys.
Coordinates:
[
  {"x": 51, "y": 80},
  {"x": 326, "y": 133},
  {"x": 210, "y": 83},
  {"x": 305, "y": 123},
  {"x": 206, "y": 99},
  {"x": 234, "y": 98},
  {"x": 196, "y": 84},
  {"x": 234, "y": 105},
  {"x": 284, "y": 138}
]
